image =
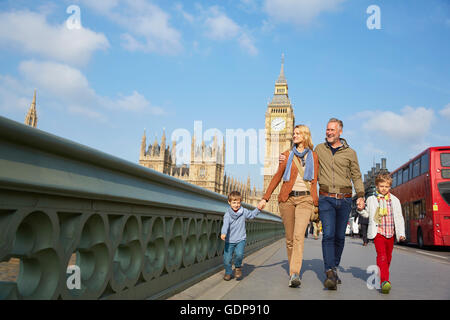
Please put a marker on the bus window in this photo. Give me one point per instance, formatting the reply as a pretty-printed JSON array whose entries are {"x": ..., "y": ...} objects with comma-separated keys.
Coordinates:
[
  {"x": 410, "y": 171},
  {"x": 405, "y": 210},
  {"x": 416, "y": 209},
  {"x": 445, "y": 173},
  {"x": 405, "y": 174},
  {"x": 444, "y": 190},
  {"x": 406, "y": 217},
  {"x": 445, "y": 159},
  {"x": 399, "y": 177},
  {"x": 416, "y": 168},
  {"x": 424, "y": 163},
  {"x": 394, "y": 180},
  {"x": 423, "y": 210}
]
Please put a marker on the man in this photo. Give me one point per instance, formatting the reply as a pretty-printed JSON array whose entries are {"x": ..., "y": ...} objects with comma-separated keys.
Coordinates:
[{"x": 338, "y": 168}]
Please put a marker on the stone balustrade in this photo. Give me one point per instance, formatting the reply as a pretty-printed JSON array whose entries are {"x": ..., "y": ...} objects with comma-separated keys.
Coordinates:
[{"x": 128, "y": 232}]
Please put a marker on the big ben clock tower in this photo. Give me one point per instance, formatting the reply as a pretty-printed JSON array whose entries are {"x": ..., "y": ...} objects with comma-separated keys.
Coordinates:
[{"x": 279, "y": 128}]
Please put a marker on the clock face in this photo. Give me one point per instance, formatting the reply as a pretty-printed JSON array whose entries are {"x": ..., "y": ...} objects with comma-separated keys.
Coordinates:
[{"x": 278, "y": 124}]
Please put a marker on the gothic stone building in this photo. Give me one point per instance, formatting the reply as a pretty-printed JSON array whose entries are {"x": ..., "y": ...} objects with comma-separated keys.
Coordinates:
[{"x": 206, "y": 167}]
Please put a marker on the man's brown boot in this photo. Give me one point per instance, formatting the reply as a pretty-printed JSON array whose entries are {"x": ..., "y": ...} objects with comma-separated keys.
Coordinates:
[
  {"x": 238, "y": 273},
  {"x": 338, "y": 280},
  {"x": 330, "y": 281}
]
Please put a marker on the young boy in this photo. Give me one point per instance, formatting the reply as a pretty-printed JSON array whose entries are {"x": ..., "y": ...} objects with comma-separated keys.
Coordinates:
[
  {"x": 234, "y": 235},
  {"x": 385, "y": 218}
]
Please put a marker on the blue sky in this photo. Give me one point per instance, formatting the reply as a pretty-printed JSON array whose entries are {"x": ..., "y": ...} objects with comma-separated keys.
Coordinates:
[{"x": 165, "y": 64}]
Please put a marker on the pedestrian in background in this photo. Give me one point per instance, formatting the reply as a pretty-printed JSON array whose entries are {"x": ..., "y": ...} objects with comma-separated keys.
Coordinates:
[{"x": 364, "y": 221}]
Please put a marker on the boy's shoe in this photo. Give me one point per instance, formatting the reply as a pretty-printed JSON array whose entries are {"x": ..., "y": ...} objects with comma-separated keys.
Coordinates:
[
  {"x": 238, "y": 273},
  {"x": 330, "y": 281},
  {"x": 294, "y": 282},
  {"x": 338, "y": 280},
  {"x": 385, "y": 287},
  {"x": 227, "y": 277}
]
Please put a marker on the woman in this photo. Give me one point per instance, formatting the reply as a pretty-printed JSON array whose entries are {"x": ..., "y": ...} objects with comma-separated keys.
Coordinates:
[{"x": 297, "y": 196}]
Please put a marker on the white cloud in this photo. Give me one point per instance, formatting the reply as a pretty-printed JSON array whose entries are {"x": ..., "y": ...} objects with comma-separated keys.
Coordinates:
[
  {"x": 187, "y": 16},
  {"x": 446, "y": 111},
  {"x": 220, "y": 27},
  {"x": 298, "y": 12},
  {"x": 246, "y": 42},
  {"x": 66, "y": 87},
  {"x": 14, "y": 95},
  {"x": 57, "y": 78},
  {"x": 31, "y": 33},
  {"x": 147, "y": 25},
  {"x": 87, "y": 113},
  {"x": 411, "y": 124},
  {"x": 137, "y": 102}
]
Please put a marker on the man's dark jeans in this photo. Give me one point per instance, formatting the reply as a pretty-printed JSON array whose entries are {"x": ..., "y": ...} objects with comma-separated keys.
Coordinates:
[{"x": 334, "y": 214}]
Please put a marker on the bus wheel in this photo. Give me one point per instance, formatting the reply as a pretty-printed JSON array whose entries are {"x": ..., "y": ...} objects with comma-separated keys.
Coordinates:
[{"x": 420, "y": 238}]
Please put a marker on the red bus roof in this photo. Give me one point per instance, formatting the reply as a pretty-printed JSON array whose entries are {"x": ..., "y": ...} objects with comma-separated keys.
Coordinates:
[{"x": 441, "y": 148}]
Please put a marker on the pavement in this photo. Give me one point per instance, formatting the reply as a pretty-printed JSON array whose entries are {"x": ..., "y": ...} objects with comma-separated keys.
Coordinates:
[{"x": 414, "y": 275}]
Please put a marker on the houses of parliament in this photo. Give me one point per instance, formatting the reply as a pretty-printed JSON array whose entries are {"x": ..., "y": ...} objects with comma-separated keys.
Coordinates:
[{"x": 207, "y": 163}]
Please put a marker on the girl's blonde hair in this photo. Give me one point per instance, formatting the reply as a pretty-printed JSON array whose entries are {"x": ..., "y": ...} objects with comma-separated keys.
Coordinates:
[{"x": 307, "y": 141}]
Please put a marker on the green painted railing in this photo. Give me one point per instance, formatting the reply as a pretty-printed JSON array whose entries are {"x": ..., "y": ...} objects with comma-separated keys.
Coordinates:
[{"x": 133, "y": 233}]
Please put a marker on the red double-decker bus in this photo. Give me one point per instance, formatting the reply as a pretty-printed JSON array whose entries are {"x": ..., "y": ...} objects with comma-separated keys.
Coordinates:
[{"x": 423, "y": 188}]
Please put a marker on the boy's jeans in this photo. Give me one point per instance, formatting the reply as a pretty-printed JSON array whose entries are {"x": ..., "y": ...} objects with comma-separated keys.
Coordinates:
[
  {"x": 334, "y": 214},
  {"x": 238, "y": 249}
]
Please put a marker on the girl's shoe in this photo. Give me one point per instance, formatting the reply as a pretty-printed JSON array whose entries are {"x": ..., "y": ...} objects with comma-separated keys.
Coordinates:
[{"x": 385, "y": 287}]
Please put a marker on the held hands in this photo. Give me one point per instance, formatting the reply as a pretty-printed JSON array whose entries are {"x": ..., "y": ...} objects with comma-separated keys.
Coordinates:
[
  {"x": 360, "y": 203},
  {"x": 402, "y": 238},
  {"x": 282, "y": 158},
  {"x": 261, "y": 204},
  {"x": 223, "y": 236}
]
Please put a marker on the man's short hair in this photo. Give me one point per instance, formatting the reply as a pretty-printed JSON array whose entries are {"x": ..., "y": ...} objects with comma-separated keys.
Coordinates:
[
  {"x": 383, "y": 177},
  {"x": 339, "y": 122},
  {"x": 234, "y": 195}
]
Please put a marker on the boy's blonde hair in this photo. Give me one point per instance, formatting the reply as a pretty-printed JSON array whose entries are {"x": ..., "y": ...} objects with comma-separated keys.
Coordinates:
[
  {"x": 304, "y": 130},
  {"x": 383, "y": 177},
  {"x": 234, "y": 195}
]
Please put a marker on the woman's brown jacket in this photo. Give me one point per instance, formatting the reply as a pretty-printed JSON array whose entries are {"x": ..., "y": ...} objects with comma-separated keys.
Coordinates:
[{"x": 286, "y": 187}]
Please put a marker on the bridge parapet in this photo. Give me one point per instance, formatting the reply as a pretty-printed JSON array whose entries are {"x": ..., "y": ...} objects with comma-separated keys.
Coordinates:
[{"x": 134, "y": 233}]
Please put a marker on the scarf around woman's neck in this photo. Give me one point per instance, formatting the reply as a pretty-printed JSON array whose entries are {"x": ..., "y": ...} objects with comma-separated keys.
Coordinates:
[
  {"x": 309, "y": 168},
  {"x": 382, "y": 210}
]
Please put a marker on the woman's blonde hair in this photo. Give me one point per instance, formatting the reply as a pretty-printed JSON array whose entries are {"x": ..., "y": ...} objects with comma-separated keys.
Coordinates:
[{"x": 307, "y": 141}]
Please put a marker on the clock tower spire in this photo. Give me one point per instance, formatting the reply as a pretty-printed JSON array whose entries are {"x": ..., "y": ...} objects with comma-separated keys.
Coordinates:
[{"x": 279, "y": 127}]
